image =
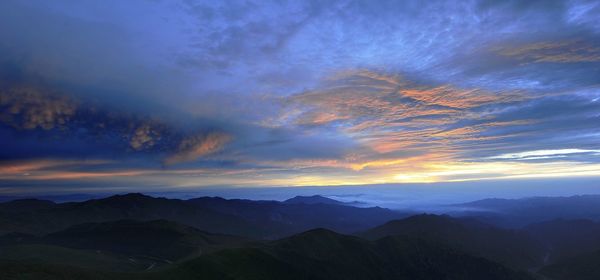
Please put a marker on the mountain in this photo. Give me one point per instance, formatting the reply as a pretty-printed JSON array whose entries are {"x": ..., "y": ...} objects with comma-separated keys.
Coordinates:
[
  {"x": 124, "y": 245},
  {"x": 254, "y": 219},
  {"x": 33, "y": 270},
  {"x": 566, "y": 238},
  {"x": 511, "y": 248},
  {"x": 16, "y": 238},
  {"x": 21, "y": 205},
  {"x": 118, "y": 207},
  {"x": 316, "y": 254},
  {"x": 582, "y": 267},
  {"x": 159, "y": 239},
  {"x": 323, "y": 254},
  {"x": 315, "y": 199},
  {"x": 285, "y": 218},
  {"x": 36, "y": 256},
  {"x": 521, "y": 212}
]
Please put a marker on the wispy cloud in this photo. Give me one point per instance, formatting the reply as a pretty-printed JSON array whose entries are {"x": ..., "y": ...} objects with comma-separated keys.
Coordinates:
[
  {"x": 571, "y": 51},
  {"x": 197, "y": 146},
  {"x": 545, "y": 154}
]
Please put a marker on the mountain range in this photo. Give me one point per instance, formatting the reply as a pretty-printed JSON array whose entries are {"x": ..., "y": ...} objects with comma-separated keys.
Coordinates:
[
  {"x": 135, "y": 236},
  {"x": 518, "y": 213},
  {"x": 256, "y": 219}
]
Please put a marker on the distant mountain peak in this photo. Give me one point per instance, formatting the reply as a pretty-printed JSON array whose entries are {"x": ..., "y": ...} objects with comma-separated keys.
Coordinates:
[
  {"x": 132, "y": 195},
  {"x": 129, "y": 197},
  {"x": 319, "y": 231},
  {"x": 314, "y": 199}
]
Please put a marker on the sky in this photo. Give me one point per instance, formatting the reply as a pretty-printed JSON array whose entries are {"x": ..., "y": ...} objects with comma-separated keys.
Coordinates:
[{"x": 151, "y": 95}]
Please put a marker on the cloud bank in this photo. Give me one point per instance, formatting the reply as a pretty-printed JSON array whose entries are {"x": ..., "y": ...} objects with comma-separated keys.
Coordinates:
[{"x": 251, "y": 93}]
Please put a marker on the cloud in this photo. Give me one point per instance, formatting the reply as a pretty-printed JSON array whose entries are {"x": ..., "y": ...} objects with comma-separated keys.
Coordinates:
[
  {"x": 545, "y": 154},
  {"x": 194, "y": 147},
  {"x": 298, "y": 93},
  {"x": 72, "y": 126},
  {"x": 359, "y": 95},
  {"x": 28, "y": 108},
  {"x": 390, "y": 113},
  {"x": 144, "y": 137},
  {"x": 557, "y": 52}
]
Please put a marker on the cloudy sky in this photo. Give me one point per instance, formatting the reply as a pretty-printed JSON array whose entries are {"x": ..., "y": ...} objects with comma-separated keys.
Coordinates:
[{"x": 159, "y": 95}]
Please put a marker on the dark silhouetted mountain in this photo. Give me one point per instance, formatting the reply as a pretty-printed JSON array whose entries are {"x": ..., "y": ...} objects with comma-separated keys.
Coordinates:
[
  {"x": 566, "y": 238},
  {"x": 323, "y": 254},
  {"x": 511, "y": 248},
  {"x": 289, "y": 218},
  {"x": 582, "y": 267},
  {"x": 521, "y": 212},
  {"x": 315, "y": 199},
  {"x": 43, "y": 255},
  {"x": 255, "y": 219},
  {"x": 130, "y": 206},
  {"x": 316, "y": 254},
  {"x": 33, "y": 270},
  {"x": 16, "y": 238},
  {"x": 123, "y": 245},
  {"x": 159, "y": 239}
]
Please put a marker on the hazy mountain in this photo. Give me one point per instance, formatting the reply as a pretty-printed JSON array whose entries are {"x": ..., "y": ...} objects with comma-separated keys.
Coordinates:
[
  {"x": 512, "y": 248},
  {"x": 256, "y": 219},
  {"x": 314, "y": 199},
  {"x": 521, "y": 212},
  {"x": 288, "y": 218}
]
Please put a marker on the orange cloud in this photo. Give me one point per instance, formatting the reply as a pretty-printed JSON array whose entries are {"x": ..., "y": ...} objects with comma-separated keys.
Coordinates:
[
  {"x": 366, "y": 99},
  {"x": 451, "y": 97},
  {"x": 53, "y": 169},
  {"x": 26, "y": 166},
  {"x": 389, "y": 113},
  {"x": 29, "y": 108},
  {"x": 144, "y": 136},
  {"x": 194, "y": 147}
]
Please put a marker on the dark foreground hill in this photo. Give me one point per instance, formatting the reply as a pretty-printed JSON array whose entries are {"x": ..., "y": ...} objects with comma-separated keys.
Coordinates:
[
  {"x": 316, "y": 254},
  {"x": 583, "y": 267},
  {"x": 123, "y": 245},
  {"x": 254, "y": 219},
  {"x": 512, "y": 248},
  {"x": 159, "y": 239},
  {"x": 564, "y": 239}
]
